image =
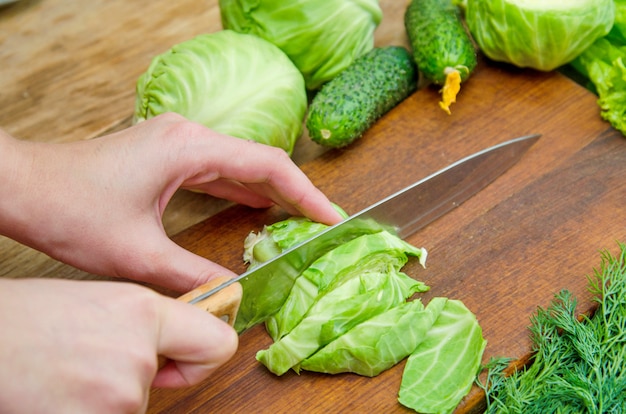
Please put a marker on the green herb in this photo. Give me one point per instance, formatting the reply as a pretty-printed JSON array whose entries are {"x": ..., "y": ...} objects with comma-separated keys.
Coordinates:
[{"x": 579, "y": 363}]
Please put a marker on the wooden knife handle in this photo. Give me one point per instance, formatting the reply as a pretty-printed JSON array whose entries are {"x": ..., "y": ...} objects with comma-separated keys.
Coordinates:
[{"x": 223, "y": 304}]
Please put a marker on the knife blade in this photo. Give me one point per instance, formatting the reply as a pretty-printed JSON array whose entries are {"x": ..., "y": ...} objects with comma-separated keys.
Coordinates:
[{"x": 402, "y": 213}]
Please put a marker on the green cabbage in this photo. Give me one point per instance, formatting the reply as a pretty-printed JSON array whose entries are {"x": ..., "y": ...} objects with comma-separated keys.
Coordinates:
[
  {"x": 348, "y": 311},
  {"x": 321, "y": 37},
  {"x": 233, "y": 83},
  {"x": 356, "y": 300},
  {"x": 268, "y": 295},
  {"x": 381, "y": 252},
  {"x": 539, "y": 34},
  {"x": 378, "y": 343},
  {"x": 278, "y": 237},
  {"x": 443, "y": 367}
]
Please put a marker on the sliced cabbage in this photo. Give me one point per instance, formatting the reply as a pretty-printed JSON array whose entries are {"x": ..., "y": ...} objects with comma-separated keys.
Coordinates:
[
  {"x": 379, "y": 343},
  {"x": 233, "y": 83},
  {"x": 335, "y": 313},
  {"x": 321, "y": 37},
  {"x": 377, "y": 252},
  {"x": 538, "y": 34},
  {"x": 443, "y": 367}
]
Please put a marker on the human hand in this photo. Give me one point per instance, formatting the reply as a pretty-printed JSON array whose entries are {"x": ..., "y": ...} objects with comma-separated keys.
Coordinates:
[
  {"x": 98, "y": 204},
  {"x": 91, "y": 347}
]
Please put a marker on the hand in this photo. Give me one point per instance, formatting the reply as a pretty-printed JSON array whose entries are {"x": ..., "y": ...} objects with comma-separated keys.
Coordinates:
[
  {"x": 90, "y": 347},
  {"x": 98, "y": 204}
]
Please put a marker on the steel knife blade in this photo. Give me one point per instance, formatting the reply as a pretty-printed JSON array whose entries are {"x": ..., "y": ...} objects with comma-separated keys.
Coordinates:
[{"x": 403, "y": 213}]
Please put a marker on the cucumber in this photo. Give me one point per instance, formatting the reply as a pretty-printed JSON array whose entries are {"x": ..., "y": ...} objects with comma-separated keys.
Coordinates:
[
  {"x": 442, "y": 47},
  {"x": 346, "y": 106}
]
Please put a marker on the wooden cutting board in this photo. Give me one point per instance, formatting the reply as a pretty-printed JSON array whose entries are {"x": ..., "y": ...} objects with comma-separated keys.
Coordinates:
[{"x": 537, "y": 229}]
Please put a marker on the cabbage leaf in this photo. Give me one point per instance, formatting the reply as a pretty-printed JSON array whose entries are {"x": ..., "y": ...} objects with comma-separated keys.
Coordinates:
[
  {"x": 209, "y": 80},
  {"x": 321, "y": 37},
  {"x": 335, "y": 313},
  {"x": 269, "y": 292},
  {"x": 378, "y": 343},
  {"x": 278, "y": 237},
  {"x": 378, "y": 252},
  {"x": 443, "y": 367}
]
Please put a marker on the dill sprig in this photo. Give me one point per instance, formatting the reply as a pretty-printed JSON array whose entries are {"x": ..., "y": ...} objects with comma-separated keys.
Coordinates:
[{"x": 578, "y": 362}]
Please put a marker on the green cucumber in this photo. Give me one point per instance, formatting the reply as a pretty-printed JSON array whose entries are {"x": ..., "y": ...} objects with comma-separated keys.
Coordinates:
[
  {"x": 442, "y": 47},
  {"x": 350, "y": 103}
]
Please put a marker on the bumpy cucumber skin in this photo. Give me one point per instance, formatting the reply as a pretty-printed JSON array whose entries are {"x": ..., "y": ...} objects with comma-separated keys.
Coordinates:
[
  {"x": 350, "y": 103},
  {"x": 439, "y": 39}
]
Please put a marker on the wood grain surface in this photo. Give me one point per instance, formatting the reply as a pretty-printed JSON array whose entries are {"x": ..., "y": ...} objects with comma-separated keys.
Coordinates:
[
  {"x": 509, "y": 249},
  {"x": 68, "y": 72}
]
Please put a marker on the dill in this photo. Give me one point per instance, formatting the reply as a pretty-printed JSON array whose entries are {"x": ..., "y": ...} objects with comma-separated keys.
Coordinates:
[{"x": 578, "y": 363}]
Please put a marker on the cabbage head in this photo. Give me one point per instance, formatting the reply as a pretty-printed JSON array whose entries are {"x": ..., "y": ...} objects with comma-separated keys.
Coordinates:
[
  {"x": 538, "y": 34},
  {"x": 236, "y": 84},
  {"x": 322, "y": 37}
]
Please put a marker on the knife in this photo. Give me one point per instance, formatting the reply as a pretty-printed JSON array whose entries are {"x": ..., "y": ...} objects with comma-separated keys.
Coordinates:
[{"x": 402, "y": 213}]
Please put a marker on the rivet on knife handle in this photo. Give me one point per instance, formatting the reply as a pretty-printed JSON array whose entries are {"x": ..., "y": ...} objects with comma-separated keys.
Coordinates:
[{"x": 224, "y": 304}]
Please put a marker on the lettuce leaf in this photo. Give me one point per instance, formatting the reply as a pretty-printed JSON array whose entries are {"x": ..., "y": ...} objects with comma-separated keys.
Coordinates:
[{"x": 604, "y": 65}]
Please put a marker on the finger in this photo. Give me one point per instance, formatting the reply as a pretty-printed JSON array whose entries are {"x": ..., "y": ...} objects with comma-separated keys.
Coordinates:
[
  {"x": 195, "y": 342},
  {"x": 234, "y": 191},
  {"x": 266, "y": 167}
]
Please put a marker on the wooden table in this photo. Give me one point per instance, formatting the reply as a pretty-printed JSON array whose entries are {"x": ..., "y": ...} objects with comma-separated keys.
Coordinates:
[{"x": 68, "y": 72}]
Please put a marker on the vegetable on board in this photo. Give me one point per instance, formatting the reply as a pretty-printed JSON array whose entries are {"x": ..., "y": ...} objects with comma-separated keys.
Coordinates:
[
  {"x": 352, "y": 311},
  {"x": 278, "y": 237},
  {"x": 538, "y": 34},
  {"x": 275, "y": 238},
  {"x": 350, "y": 103},
  {"x": 269, "y": 295},
  {"x": 335, "y": 313},
  {"x": 321, "y": 37},
  {"x": 378, "y": 343},
  {"x": 380, "y": 252},
  {"x": 208, "y": 80},
  {"x": 443, "y": 367},
  {"x": 442, "y": 47},
  {"x": 578, "y": 361}
]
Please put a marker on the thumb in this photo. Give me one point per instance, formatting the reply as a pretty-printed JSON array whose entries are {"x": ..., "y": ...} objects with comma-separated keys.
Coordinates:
[{"x": 195, "y": 342}]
